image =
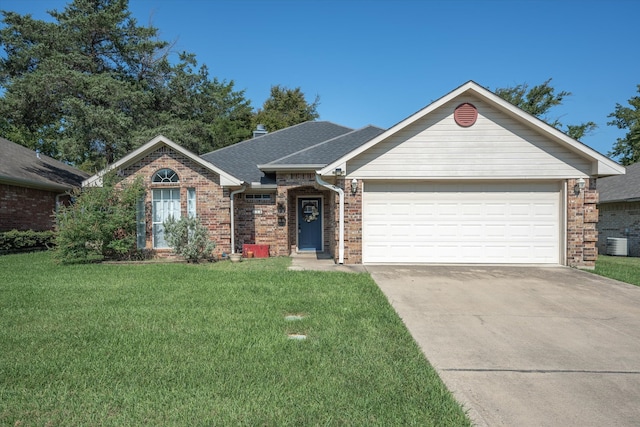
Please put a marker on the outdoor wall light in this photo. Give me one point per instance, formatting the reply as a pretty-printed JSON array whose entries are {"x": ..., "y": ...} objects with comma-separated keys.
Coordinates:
[
  {"x": 579, "y": 186},
  {"x": 338, "y": 172},
  {"x": 354, "y": 186}
]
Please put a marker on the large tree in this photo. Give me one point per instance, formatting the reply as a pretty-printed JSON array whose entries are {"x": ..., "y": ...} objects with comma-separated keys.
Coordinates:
[
  {"x": 627, "y": 149},
  {"x": 92, "y": 85},
  {"x": 538, "y": 101},
  {"x": 286, "y": 107}
]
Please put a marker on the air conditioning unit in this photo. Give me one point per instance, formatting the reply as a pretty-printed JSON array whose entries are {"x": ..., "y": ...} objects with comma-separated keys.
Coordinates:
[{"x": 617, "y": 246}]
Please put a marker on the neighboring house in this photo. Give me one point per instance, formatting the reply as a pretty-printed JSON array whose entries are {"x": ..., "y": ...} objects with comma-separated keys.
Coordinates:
[
  {"x": 468, "y": 179},
  {"x": 32, "y": 185},
  {"x": 620, "y": 210}
]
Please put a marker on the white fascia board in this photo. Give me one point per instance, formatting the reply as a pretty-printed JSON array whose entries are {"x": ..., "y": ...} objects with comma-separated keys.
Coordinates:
[
  {"x": 260, "y": 186},
  {"x": 294, "y": 168},
  {"x": 603, "y": 165},
  {"x": 226, "y": 180}
]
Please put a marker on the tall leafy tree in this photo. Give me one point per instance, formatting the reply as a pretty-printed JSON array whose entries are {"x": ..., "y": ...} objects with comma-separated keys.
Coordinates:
[
  {"x": 627, "y": 149},
  {"x": 194, "y": 110},
  {"x": 93, "y": 84},
  {"x": 286, "y": 107},
  {"x": 538, "y": 101}
]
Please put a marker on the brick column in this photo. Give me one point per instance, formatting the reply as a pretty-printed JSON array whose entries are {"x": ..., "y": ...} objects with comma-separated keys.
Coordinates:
[
  {"x": 582, "y": 218},
  {"x": 353, "y": 223}
]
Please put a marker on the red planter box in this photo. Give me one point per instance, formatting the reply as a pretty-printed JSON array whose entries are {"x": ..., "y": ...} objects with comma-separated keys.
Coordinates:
[{"x": 259, "y": 251}]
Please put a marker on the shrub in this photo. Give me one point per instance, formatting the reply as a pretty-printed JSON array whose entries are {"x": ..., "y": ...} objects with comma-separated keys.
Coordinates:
[
  {"x": 189, "y": 238},
  {"x": 15, "y": 240},
  {"x": 100, "y": 224}
]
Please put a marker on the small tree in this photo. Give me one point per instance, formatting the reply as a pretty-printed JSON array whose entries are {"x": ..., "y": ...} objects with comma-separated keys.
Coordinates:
[
  {"x": 188, "y": 238},
  {"x": 100, "y": 224}
]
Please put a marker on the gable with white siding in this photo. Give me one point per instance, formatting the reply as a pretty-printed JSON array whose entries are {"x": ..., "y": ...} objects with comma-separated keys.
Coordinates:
[{"x": 497, "y": 146}]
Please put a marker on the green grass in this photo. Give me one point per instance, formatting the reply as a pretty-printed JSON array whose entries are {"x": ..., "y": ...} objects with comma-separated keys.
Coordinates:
[
  {"x": 178, "y": 344},
  {"x": 625, "y": 269}
]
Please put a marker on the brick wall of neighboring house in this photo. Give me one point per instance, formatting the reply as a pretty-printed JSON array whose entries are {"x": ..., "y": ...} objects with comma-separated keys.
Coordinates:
[
  {"x": 582, "y": 218},
  {"x": 620, "y": 219},
  {"x": 212, "y": 201},
  {"x": 24, "y": 208},
  {"x": 256, "y": 221}
]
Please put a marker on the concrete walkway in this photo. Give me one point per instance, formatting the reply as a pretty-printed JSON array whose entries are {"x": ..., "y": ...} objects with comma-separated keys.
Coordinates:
[
  {"x": 321, "y": 262},
  {"x": 525, "y": 346}
]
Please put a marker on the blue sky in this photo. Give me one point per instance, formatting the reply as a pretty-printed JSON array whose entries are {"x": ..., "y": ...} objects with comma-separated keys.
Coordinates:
[{"x": 379, "y": 61}]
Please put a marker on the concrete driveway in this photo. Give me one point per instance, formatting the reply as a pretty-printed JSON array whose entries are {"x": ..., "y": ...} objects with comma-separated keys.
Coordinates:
[{"x": 525, "y": 346}]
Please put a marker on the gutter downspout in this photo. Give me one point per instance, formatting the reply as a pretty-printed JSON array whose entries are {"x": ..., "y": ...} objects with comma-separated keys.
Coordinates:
[
  {"x": 340, "y": 192},
  {"x": 233, "y": 233}
]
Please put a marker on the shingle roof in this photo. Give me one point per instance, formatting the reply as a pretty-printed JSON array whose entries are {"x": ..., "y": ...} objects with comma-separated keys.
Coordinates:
[
  {"x": 21, "y": 166},
  {"x": 242, "y": 159},
  {"x": 621, "y": 187},
  {"x": 328, "y": 151}
]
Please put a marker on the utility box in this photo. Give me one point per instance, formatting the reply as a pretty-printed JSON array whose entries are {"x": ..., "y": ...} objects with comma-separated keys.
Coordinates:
[
  {"x": 259, "y": 251},
  {"x": 617, "y": 246}
]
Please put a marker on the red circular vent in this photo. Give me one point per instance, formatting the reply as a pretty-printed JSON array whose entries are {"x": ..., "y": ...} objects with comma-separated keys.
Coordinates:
[{"x": 465, "y": 114}]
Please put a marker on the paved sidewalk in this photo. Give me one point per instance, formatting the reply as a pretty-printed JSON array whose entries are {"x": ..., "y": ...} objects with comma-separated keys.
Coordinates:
[{"x": 321, "y": 262}]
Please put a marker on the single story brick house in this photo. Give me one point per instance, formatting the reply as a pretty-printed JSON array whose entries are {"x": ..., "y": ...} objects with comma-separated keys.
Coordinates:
[
  {"x": 32, "y": 185},
  {"x": 468, "y": 179},
  {"x": 619, "y": 209}
]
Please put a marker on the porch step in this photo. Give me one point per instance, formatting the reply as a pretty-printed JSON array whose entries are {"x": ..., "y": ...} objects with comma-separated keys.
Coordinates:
[{"x": 310, "y": 255}]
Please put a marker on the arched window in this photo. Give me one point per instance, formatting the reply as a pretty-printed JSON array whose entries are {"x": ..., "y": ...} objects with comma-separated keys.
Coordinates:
[{"x": 165, "y": 175}]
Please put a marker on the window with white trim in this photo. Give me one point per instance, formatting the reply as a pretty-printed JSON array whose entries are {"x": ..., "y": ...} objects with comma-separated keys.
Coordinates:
[
  {"x": 165, "y": 204},
  {"x": 164, "y": 176},
  {"x": 141, "y": 224},
  {"x": 191, "y": 202},
  {"x": 257, "y": 197}
]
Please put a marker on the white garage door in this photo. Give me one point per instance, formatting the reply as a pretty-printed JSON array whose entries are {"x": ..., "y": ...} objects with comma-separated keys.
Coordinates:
[{"x": 461, "y": 223}]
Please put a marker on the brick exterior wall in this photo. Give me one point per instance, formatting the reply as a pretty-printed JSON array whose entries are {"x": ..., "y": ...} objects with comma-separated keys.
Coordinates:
[
  {"x": 582, "y": 218},
  {"x": 256, "y": 222},
  {"x": 212, "y": 201},
  {"x": 290, "y": 187},
  {"x": 620, "y": 220},
  {"x": 24, "y": 208},
  {"x": 353, "y": 223}
]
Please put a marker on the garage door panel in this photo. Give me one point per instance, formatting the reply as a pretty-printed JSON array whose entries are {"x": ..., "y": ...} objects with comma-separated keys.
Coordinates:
[{"x": 462, "y": 224}]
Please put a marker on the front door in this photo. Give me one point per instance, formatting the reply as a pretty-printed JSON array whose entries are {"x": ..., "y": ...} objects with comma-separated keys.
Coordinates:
[{"x": 310, "y": 224}]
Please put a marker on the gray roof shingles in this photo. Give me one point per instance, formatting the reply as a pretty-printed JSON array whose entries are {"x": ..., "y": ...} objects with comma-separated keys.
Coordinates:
[
  {"x": 242, "y": 159},
  {"x": 21, "y": 166},
  {"x": 620, "y": 187},
  {"x": 328, "y": 151}
]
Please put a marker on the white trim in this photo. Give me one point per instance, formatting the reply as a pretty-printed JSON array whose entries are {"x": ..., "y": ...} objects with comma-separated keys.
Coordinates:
[
  {"x": 340, "y": 192},
  {"x": 564, "y": 215},
  {"x": 602, "y": 165},
  {"x": 322, "y": 214},
  {"x": 154, "y": 144}
]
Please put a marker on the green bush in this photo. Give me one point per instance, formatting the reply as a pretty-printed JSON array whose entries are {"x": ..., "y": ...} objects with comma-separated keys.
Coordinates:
[
  {"x": 15, "y": 240},
  {"x": 100, "y": 224},
  {"x": 189, "y": 238}
]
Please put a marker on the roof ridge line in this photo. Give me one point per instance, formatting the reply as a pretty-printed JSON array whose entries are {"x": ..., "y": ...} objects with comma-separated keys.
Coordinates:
[{"x": 320, "y": 143}]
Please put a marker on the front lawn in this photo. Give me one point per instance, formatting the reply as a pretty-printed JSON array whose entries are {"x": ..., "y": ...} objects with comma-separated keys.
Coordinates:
[
  {"x": 625, "y": 269},
  {"x": 178, "y": 344}
]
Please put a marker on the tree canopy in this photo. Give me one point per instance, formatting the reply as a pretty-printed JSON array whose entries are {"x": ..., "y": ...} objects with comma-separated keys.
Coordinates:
[
  {"x": 92, "y": 85},
  {"x": 538, "y": 101},
  {"x": 627, "y": 149},
  {"x": 286, "y": 107}
]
